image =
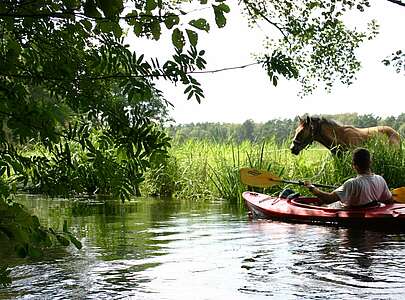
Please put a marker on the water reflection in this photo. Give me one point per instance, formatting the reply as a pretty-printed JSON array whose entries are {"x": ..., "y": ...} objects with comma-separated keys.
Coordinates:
[
  {"x": 328, "y": 262},
  {"x": 169, "y": 249}
]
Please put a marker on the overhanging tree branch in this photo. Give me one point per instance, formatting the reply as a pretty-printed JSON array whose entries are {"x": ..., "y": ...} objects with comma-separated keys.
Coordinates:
[
  {"x": 257, "y": 11},
  {"x": 67, "y": 14},
  {"x": 398, "y": 2},
  {"x": 122, "y": 76}
]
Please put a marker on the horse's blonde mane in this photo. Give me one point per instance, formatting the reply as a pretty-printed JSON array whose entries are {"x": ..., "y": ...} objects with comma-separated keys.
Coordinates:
[{"x": 332, "y": 122}]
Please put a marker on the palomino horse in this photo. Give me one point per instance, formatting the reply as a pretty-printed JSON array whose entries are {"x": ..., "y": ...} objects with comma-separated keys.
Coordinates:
[{"x": 334, "y": 136}]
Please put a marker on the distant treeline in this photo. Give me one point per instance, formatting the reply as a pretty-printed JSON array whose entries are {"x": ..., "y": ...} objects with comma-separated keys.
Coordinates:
[{"x": 277, "y": 129}]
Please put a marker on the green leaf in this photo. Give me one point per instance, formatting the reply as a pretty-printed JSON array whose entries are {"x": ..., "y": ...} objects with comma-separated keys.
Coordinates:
[
  {"x": 156, "y": 30},
  {"x": 87, "y": 25},
  {"x": 108, "y": 7},
  {"x": 108, "y": 26},
  {"x": 90, "y": 9},
  {"x": 192, "y": 37},
  {"x": 188, "y": 89},
  {"x": 275, "y": 80},
  {"x": 201, "y": 24},
  {"x": 224, "y": 7},
  {"x": 21, "y": 251},
  {"x": 313, "y": 4},
  {"x": 117, "y": 30},
  {"x": 62, "y": 240},
  {"x": 2, "y": 170},
  {"x": 65, "y": 226},
  {"x": 178, "y": 39},
  {"x": 75, "y": 241},
  {"x": 72, "y": 4},
  {"x": 35, "y": 221},
  {"x": 131, "y": 17},
  {"x": 219, "y": 11},
  {"x": 219, "y": 17},
  {"x": 150, "y": 5},
  {"x": 138, "y": 28},
  {"x": 171, "y": 21},
  {"x": 34, "y": 252}
]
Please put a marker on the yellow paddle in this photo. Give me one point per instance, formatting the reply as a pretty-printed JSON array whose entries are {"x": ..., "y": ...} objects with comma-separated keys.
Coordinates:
[
  {"x": 265, "y": 179},
  {"x": 398, "y": 194}
]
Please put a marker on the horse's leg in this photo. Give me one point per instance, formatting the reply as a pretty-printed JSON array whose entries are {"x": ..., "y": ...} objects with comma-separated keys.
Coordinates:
[{"x": 338, "y": 150}]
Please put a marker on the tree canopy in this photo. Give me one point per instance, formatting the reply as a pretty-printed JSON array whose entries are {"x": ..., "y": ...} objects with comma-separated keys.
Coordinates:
[
  {"x": 68, "y": 81},
  {"x": 79, "y": 110},
  {"x": 311, "y": 42}
]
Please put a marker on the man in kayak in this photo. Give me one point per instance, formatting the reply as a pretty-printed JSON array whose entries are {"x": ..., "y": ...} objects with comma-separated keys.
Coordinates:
[{"x": 362, "y": 191}]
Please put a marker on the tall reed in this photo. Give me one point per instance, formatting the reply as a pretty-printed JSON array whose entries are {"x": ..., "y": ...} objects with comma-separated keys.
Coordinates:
[{"x": 207, "y": 170}]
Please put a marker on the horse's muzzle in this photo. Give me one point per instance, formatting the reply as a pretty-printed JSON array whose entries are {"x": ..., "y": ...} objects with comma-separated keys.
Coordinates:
[{"x": 295, "y": 149}]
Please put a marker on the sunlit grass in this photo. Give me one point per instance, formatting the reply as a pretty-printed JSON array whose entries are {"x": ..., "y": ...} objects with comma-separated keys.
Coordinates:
[{"x": 206, "y": 170}]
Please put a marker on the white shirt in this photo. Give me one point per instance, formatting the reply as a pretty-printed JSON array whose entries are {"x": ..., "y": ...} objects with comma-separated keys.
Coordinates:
[{"x": 362, "y": 190}]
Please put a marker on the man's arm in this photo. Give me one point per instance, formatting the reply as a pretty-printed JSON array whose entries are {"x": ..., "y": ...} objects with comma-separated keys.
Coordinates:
[
  {"x": 386, "y": 195},
  {"x": 325, "y": 197}
]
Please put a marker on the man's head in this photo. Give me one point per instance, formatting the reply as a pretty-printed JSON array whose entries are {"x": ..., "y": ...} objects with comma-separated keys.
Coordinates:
[{"x": 361, "y": 160}]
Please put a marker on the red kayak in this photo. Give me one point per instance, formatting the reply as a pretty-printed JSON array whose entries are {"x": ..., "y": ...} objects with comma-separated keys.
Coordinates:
[{"x": 307, "y": 210}]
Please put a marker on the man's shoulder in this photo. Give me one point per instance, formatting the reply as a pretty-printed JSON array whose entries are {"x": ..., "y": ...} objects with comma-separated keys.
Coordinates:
[
  {"x": 365, "y": 179},
  {"x": 351, "y": 180}
]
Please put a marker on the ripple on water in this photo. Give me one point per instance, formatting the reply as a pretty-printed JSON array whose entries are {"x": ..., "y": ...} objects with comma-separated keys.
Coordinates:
[{"x": 170, "y": 252}]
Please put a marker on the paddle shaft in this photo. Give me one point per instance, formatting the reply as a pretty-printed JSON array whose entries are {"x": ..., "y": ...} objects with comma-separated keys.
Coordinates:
[
  {"x": 299, "y": 182},
  {"x": 253, "y": 177},
  {"x": 398, "y": 194}
]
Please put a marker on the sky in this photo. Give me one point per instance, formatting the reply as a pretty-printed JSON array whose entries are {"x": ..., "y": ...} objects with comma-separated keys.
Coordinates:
[{"x": 237, "y": 95}]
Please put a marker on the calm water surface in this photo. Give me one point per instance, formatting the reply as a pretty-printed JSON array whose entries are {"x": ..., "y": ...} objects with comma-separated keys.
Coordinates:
[{"x": 172, "y": 249}]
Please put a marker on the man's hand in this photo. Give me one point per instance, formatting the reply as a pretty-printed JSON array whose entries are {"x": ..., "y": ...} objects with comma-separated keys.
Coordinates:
[{"x": 309, "y": 185}]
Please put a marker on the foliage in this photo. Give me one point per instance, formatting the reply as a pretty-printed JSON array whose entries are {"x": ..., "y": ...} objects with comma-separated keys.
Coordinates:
[
  {"x": 70, "y": 85},
  {"x": 67, "y": 72},
  {"x": 396, "y": 60},
  {"x": 159, "y": 180},
  {"x": 309, "y": 40},
  {"x": 79, "y": 110},
  {"x": 5, "y": 279},
  {"x": 25, "y": 235}
]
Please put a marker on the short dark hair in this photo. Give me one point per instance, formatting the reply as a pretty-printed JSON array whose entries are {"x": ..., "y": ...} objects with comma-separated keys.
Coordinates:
[{"x": 362, "y": 159}]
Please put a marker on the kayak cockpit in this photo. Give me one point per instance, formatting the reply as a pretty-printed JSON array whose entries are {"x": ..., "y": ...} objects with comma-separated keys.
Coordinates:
[{"x": 315, "y": 203}]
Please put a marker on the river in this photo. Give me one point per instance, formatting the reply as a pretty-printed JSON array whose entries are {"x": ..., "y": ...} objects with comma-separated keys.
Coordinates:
[{"x": 178, "y": 249}]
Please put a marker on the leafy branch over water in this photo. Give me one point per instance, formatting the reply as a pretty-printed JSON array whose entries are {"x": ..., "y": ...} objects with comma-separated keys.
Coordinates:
[
  {"x": 5, "y": 279},
  {"x": 21, "y": 232}
]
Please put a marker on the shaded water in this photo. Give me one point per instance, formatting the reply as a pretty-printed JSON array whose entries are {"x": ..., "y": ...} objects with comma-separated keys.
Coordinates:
[{"x": 170, "y": 249}]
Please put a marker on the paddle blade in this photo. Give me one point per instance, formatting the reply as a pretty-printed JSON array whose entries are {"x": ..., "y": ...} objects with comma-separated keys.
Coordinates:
[
  {"x": 257, "y": 178},
  {"x": 398, "y": 194}
]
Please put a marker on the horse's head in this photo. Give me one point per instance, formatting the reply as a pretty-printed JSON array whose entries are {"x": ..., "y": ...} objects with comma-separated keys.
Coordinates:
[{"x": 303, "y": 135}]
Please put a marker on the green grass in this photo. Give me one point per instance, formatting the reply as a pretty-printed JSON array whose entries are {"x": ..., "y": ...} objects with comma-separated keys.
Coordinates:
[{"x": 203, "y": 170}]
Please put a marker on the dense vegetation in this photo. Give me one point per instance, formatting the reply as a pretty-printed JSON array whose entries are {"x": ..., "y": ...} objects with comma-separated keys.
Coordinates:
[{"x": 203, "y": 170}]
